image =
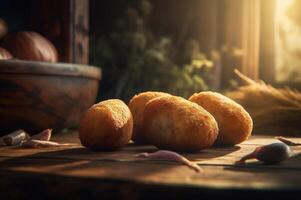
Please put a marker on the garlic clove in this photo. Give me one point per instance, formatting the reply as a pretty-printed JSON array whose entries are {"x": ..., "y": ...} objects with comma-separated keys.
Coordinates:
[
  {"x": 269, "y": 154},
  {"x": 15, "y": 137}
]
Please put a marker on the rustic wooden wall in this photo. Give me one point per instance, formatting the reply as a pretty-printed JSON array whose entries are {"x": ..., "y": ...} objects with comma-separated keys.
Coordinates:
[
  {"x": 66, "y": 24},
  {"x": 229, "y": 26},
  {"x": 267, "y": 41},
  {"x": 51, "y": 18}
]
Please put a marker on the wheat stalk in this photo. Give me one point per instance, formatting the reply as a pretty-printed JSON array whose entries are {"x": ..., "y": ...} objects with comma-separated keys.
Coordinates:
[{"x": 274, "y": 111}]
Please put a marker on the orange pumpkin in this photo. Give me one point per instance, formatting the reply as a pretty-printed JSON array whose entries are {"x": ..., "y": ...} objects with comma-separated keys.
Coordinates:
[{"x": 29, "y": 45}]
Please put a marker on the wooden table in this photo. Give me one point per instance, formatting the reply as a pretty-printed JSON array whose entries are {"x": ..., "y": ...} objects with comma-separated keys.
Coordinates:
[{"x": 77, "y": 173}]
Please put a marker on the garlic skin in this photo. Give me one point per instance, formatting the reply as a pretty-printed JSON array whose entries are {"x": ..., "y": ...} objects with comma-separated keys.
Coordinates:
[
  {"x": 170, "y": 155},
  {"x": 45, "y": 135},
  {"x": 39, "y": 143},
  {"x": 22, "y": 139},
  {"x": 42, "y": 144}
]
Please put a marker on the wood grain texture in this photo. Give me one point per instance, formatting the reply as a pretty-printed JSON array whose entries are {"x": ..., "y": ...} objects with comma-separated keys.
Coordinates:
[
  {"x": 250, "y": 38},
  {"x": 240, "y": 28},
  {"x": 80, "y": 30},
  {"x": 117, "y": 170}
]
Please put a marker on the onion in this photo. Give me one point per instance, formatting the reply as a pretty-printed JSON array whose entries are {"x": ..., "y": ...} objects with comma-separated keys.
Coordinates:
[
  {"x": 4, "y": 54},
  {"x": 3, "y": 28},
  {"x": 28, "y": 45}
]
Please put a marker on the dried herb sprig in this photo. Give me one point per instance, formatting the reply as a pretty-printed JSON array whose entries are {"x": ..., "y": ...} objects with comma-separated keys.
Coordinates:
[{"x": 274, "y": 111}]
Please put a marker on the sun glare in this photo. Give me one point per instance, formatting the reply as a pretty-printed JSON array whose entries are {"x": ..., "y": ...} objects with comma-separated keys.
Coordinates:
[{"x": 288, "y": 40}]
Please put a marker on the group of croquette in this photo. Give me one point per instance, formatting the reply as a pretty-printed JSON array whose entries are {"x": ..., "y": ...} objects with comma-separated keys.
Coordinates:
[{"x": 166, "y": 121}]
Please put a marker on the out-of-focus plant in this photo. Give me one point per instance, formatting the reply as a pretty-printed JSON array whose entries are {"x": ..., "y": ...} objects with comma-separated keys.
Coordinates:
[{"x": 134, "y": 60}]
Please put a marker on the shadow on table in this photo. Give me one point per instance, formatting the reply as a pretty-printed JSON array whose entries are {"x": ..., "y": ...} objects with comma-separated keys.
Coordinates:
[
  {"x": 81, "y": 173},
  {"x": 78, "y": 174},
  {"x": 213, "y": 152},
  {"x": 80, "y": 158}
]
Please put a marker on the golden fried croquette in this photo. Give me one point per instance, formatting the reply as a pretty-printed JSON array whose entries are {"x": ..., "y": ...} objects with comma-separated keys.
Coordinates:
[
  {"x": 107, "y": 125},
  {"x": 175, "y": 123},
  {"x": 234, "y": 122},
  {"x": 137, "y": 105}
]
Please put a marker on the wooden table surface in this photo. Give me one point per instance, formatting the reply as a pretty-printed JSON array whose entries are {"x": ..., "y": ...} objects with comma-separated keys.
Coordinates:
[{"x": 76, "y": 172}]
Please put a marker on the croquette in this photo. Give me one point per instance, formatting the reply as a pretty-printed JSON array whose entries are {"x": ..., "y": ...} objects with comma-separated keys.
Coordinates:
[
  {"x": 137, "y": 105},
  {"x": 107, "y": 125},
  {"x": 234, "y": 122},
  {"x": 174, "y": 123}
]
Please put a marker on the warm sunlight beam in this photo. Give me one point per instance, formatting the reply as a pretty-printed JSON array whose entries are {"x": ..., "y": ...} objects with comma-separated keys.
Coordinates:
[{"x": 288, "y": 40}]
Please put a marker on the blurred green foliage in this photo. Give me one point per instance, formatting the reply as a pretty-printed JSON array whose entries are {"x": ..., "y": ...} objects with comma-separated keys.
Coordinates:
[{"x": 134, "y": 60}]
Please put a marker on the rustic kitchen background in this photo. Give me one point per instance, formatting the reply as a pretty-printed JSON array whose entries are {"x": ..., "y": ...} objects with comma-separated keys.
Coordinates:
[{"x": 174, "y": 46}]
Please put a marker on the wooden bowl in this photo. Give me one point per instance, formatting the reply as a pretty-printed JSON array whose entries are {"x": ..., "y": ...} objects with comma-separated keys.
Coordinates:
[{"x": 39, "y": 95}]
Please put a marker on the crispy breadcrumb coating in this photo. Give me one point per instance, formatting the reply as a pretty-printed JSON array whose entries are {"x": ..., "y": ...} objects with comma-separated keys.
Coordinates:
[
  {"x": 107, "y": 125},
  {"x": 175, "y": 123},
  {"x": 137, "y": 105},
  {"x": 234, "y": 122}
]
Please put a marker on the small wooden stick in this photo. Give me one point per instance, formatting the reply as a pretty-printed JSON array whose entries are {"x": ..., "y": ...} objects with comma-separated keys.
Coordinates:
[{"x": 287, "y": 141}]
